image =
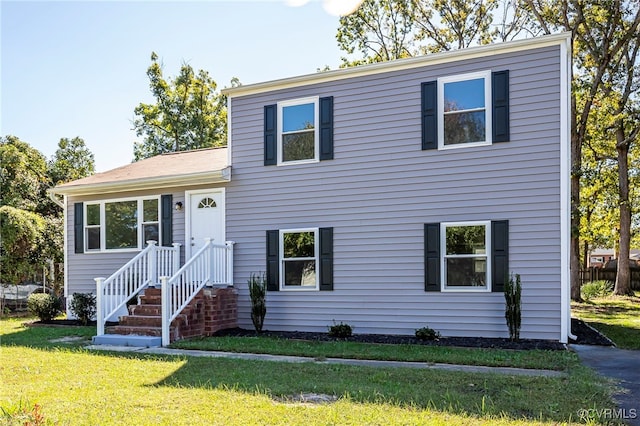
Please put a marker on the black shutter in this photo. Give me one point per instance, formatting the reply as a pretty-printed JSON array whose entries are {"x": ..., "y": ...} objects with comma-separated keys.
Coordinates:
[
  {"x": 270, "y": 135},
  {"x": 500, "y": 105},
  {"x": 78, "y": 227},
  {"x": 499, "y": 254},
  {"x": 273, "y": 260},
  {"x": 326, "y": 128},
  {"x": 430, "y": 115},
  {"x": 432, "y": 257},
  {"x": 326, "y": 259},
  {"x": 166, "y": 212}
]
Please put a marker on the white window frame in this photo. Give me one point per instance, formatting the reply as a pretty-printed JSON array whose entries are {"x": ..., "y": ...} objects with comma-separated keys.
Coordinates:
[
  {"x": 486, "y": 75},
  {"x": 443, "y": 257},
  {"x": 102, "y": 226},
  {"x": 315, "y": 100},
  {"x": 281, "y": 261}
]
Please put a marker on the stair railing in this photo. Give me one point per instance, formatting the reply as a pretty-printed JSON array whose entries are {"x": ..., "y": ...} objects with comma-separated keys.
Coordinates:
[
  {"x": 211, "y": 265},
  {"x": 141, "y": 271}
]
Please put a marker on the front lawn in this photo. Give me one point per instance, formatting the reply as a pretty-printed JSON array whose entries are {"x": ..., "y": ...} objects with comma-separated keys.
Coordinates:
[
  {"x": 617, "y": 317},
  {"x": 71, "y": 385}
]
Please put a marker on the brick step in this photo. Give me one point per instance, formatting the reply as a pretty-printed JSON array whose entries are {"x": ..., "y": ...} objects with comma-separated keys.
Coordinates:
[
  {"x": 150, "y": 299},
  {"x": 145, "y": 310},
  {"x": 141, "y": 321},
  {"x": 137, "y": 330}
]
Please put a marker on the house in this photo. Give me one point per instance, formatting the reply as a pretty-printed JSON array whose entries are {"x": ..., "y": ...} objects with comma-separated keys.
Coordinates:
[
  {"x": 599, "y": 257},
  {"x": 389, "y": 196}
]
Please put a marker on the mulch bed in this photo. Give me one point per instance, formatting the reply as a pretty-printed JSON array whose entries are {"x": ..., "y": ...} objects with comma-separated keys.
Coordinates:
[{"x": 585, "y": 336}]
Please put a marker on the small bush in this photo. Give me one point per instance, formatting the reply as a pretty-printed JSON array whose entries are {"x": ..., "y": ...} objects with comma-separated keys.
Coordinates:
[
  {"x": 257, "y": 293},
  {"x": 599, "y": 288},
  {"x": 44, "y": 306},
  {"x": 427, "y": 333},
  {"x": 340, "y": 330},
  {"x": 83, "y": 306}
]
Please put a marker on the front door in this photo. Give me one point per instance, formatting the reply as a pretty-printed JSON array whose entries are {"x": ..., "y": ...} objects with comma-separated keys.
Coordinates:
[{"x": 206, "y": 219}]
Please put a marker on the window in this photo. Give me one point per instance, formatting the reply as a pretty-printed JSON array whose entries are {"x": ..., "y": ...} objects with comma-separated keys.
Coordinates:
[
  {"x": 121, "y": 224},
  {"x": 298, "y": 131},
  {"x": 465, "y": 247},
  {"x": 465, "y": 110},
  {"x": 300, "y": 259},
  {"x": 299, "y": 255},
  {"x": 463, "y": 105},
  {"x": 466, "y": 256}
]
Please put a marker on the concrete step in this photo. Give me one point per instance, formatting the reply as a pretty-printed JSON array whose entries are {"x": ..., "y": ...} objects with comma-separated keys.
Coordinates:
[{"x": 127, "y": 340}]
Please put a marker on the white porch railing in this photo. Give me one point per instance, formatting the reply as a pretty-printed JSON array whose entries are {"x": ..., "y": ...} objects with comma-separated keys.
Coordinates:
[
  {"x": 211, "y": 265},
  {"x": 144, "y": 269}
]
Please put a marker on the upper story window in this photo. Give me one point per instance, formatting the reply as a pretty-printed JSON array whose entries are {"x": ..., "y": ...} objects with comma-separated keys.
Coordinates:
[
  {"x": 465, "y": 110},
  {"x": 121, "y": 224},
  {"x": 298, "y": 131},
  {"x": 463, "y": 103}
]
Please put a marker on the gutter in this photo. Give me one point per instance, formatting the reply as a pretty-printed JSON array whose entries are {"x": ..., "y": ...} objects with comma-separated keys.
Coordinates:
[{"x": 56, "y": 200}]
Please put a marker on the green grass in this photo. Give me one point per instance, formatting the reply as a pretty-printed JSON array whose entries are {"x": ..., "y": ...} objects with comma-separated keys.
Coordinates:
[
  {"x": 553, "y": 360},
  {"x": 74, "y": 386},
  {"x": 617, "y": 317}
]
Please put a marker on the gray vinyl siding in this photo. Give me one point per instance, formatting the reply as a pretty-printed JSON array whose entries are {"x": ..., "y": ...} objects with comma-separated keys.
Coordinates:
[{"x": 381, "y": 189}]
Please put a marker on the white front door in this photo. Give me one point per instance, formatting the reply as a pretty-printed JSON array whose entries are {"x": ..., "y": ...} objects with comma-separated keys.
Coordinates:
[{"x": 205, "y": 219}]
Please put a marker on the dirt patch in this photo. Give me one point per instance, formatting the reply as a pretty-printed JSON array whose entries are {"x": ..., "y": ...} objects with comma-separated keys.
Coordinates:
[
  {"x": 68, "y": 339},
  {"x": 308, "y": 399}
]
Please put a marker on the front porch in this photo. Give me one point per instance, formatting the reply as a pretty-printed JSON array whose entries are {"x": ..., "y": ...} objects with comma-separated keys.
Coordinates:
[{"x": 155, "y": 302}]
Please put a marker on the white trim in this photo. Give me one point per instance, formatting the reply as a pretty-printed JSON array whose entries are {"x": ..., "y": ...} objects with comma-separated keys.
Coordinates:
[
  {"x": 486, "y": 76},
  {"x": 187, "y": 216},
  {"x": 201, "y": 178},
  {"x": 443, "y": 251},
  {"x": 65, "y": 248},
  {"x": 103, "y": 223},
  {"x": 229, "y": 133},
  {"x": 315, "y": 100},
  {"x": 565, "y": 191},
  {"x": 400, "y": 64},
  {"x": 316, "y": 252}
]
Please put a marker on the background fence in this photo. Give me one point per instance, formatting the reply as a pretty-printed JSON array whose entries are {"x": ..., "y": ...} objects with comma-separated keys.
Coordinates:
[{"x": 595, "y": 274}]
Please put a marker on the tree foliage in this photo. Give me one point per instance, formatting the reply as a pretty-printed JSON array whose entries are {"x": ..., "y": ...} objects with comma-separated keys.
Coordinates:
[
  {"x": 21, "y": 233},
  {"x": 188, "y": 113},
  {"x": 72, "y": 160}
]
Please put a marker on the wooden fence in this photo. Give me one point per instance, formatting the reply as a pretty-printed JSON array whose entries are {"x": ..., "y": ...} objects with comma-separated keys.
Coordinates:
[{"x": 595, "y": 274}]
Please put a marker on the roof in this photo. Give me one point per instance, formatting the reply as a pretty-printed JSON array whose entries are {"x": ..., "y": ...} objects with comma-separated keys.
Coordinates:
[
  {"x": 202, "y": 166},
  {"x": 401, "y": 64}
]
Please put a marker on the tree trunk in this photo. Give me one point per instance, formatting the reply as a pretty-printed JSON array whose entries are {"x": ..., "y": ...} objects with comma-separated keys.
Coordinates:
[
  {"x": 576, "y": 167},
  {"x": 623, "y": 275}
]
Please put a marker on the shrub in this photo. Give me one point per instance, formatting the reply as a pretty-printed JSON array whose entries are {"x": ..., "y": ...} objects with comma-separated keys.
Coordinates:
[
  {"x": 44, "y": 306},
  {"x": 83, "y": 306},
  {"x": 427, "y": 333},
  {"x": 599, "y": 288},
  {"x": 512, "y": 296},
  {"x": 257, "y": 292},
  {"x": 340, "y": 330}
]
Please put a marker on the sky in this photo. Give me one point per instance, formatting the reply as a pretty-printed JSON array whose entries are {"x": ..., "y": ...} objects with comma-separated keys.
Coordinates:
[{"x": 78, "y": 68}]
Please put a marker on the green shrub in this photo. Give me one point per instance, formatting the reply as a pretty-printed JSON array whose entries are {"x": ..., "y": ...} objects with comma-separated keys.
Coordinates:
[
  {"x": 44, "y": 306},
  {"x": 513, "y": 315},
  {"x": 257, "y": 293},
  {"x": 599, "y": 288},
  {"x": 340, "y": 330},
  {"x": 427, "y": 333},
  {"x": 83, "y": 306}
]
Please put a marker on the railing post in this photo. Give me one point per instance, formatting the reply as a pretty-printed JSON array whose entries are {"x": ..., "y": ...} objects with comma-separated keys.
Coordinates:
[
  {"x": 176, "y": 258},
  {"x": 209, "y": 266},
  {"x": 152, "y": 263},
  {"x": 99, "y": 306},
  {"x": 229, "y": 265},
  {"x": 165, "y": 295}
]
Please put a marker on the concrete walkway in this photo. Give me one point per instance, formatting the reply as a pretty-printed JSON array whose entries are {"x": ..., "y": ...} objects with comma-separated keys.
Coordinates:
[
  {"x": 360, "y": 362},
  {"x": 624, "y": 367}
]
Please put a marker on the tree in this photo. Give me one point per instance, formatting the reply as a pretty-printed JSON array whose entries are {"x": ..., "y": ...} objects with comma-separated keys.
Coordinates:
[
  {"x": 24, "y": 180},
  {"x": 72, "y": 160},
  {"x": 187, "y": 114},
  {"x": 605, "y": 37},
  {"x": 21, "y": 233}
]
